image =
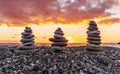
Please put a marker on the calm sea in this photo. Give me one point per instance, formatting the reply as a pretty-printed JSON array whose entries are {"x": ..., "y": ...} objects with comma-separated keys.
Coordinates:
[
  {"x": 69, "y": 45},
  {"x": 83, "y": 44}
]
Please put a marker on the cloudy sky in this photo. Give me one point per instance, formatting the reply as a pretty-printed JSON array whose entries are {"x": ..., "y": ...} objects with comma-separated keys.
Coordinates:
[{"x": 73, "y": 16}]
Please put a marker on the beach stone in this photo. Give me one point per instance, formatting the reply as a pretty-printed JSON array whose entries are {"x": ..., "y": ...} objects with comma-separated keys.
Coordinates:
[
  {"x": 35, "y": 68},
  {"x": 29, "y": 36},
  {"x": 93, "y": 37},
  {"x": 25, "y": 47},
  {"x": 91, "y": 28},
  {"x": 61, "y": 44},
  {"x": 28, "y": 30},
  {"x": 107, "y": 60},
  {"x": 58, "y": 32},
  {"x": 93, "y": 32},
  {"x": 93, "y": 48},
  {"x": 94, "y": 42},
  {"x": 27, "y": 40},
  {"x": 57, "y": 36},
  {"x": 25, "y": 34},
  {"x": 92, "y": 23},
  {"x": 92, "y": 45},
  {"x": 56, "y": 47},
  {"x": 59, "y": 40},
  {"x": 28, "y": 44}
]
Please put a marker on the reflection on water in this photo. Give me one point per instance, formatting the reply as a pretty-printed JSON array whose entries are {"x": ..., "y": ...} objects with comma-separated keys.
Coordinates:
[
  {"x": 83, "y": 44},
  {"x": 105, "y": 44},
  {"x": 69, "y": 45}
]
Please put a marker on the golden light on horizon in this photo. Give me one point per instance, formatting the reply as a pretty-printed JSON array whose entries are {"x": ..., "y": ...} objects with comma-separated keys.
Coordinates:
[
  {"x": 74, "y": 33},
  {"x": 70, "y": 39},
  {"x": 44, "y": 17}
]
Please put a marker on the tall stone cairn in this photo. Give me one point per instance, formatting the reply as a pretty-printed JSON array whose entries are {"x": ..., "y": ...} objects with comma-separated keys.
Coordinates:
[
  {"x": 27, "y": 40},
  {"x": 58, "y": 41},
  {"x": 93, "y": 37}
]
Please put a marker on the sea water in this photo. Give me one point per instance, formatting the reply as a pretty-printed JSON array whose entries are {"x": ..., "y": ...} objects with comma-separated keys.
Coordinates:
[{"x": 69, "y": 44}]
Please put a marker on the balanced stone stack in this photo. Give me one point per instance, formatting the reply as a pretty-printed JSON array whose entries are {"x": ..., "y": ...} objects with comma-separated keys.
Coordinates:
[
  {"x": 27, "y": 40},
  {"x": 94, "y": 40},
  {"x": 59, "y": 40}
]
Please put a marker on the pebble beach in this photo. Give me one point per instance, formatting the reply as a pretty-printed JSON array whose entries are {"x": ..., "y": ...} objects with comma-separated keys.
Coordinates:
[
  {"x": 72, "y": 61},
  {"x": 59, "y": 37}
]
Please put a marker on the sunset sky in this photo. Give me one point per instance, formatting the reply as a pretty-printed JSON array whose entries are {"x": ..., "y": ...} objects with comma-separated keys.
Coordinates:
[{"x": 45, "y": 16}]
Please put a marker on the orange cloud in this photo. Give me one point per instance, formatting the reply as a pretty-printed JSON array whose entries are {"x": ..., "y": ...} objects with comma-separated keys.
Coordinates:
[
  {"x": 109, "y": 21},
  {"x": 23, "y": 12}
]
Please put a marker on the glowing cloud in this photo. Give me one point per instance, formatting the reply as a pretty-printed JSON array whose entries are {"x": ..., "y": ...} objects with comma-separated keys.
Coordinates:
[
  {"x": 109, "y": 21},
  {"x": 24, "y": 12}
]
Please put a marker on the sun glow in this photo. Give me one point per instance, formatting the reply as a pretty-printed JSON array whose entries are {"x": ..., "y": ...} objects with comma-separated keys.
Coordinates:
[{"x": 70, "y": 39}]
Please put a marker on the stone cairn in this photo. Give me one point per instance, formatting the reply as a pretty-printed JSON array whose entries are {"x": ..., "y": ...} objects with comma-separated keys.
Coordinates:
[
  {"x": 93, "y": 37},
  {"x": 58, "y": 41},
  {"x": 27, "y": 40}
]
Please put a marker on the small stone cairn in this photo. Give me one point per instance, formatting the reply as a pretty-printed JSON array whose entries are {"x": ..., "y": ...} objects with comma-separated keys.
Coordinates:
[
  {"x": 93, "y": 37},
  {"x": 58, "y": 41},
  {"x": 27, "y": 40}
]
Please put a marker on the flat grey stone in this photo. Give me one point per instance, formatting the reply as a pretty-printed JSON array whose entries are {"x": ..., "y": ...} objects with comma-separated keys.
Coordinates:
[
  {"x": 59, "y": 32},
  {"x": 29, "y": 36},
  {"x": 57, "y": 36},
  {"x": 94, "y": 42},
  {"x": 27, "y": 40},
  {"x": 61, "y": 44},
  {"x": 57, "y": 48},
  {"x": 94, "y": 39},
  {"x": 25, "y": 47},
  {"x": 28, "y": 44},
  {"x": 58, "y": 40},
  {"x": 93, "y": 32},
  {"x": 25, "y": 33}
]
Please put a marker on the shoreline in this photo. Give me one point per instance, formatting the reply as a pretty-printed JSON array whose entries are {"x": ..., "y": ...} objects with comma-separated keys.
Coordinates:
[{"x": 69, "y": 44}]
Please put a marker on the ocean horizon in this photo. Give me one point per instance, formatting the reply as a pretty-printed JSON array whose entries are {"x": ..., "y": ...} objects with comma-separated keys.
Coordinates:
[{"x": 69, "y": 44}]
